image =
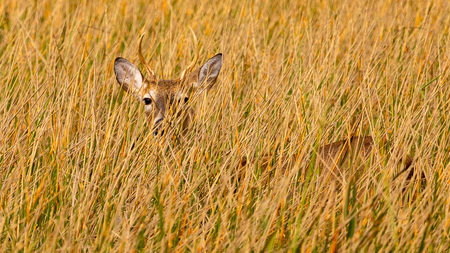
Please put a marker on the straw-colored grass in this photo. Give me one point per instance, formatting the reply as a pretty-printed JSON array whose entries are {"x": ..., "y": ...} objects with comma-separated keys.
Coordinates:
[{"x": 296, "y": 75}]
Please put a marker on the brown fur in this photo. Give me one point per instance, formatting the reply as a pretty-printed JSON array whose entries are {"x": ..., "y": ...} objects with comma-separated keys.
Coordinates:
[{"x": 333, "y": 161}]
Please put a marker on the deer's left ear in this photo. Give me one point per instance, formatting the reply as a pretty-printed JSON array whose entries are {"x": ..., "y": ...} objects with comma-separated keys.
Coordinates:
[
  {"x": 128, "y": 76},
  {"x": 209, "y": 72}
]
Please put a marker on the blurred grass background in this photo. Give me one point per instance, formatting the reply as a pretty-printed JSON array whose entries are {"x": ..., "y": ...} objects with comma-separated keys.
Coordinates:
[{"x": 296, "y": 74}]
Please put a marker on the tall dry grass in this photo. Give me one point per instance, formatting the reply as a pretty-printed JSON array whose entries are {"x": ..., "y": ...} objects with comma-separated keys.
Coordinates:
[{"x": 296, "y": 75}]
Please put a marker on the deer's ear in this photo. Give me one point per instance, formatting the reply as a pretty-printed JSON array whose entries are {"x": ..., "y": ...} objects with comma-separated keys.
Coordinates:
[
  {"x": 209, "y": 72},
  {"x": 128, "y": 76}
]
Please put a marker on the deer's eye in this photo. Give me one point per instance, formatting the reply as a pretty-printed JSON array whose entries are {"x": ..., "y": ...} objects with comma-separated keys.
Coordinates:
[
  {"x": 147, "y": 101},
  {"x": 186, "y": 99}
]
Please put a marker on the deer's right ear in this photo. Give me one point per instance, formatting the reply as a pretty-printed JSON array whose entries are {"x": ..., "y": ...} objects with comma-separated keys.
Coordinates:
[
  {"x": 128, "y": 76},
  {"x": 209, "y": 72}
]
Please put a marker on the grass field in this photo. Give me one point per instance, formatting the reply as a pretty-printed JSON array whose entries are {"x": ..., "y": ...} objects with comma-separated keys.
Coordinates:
[{"x": 81, "y": 171}]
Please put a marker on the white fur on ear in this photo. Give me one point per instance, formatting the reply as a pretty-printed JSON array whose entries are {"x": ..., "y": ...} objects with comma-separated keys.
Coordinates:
[
  {"x": 128, "y": 76},
  {"x": 210, "y": 71}
]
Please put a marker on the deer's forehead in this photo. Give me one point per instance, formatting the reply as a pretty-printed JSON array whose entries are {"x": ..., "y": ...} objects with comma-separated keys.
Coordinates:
[
  {"x": 162, "y": 88},
  {"x": 168, "y": 85}
]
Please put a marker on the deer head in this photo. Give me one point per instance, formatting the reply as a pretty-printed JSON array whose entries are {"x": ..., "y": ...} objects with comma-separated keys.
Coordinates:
[{"x": 167, "y": 97}]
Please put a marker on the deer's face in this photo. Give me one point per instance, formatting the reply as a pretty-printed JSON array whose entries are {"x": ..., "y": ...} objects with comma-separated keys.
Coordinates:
[{"x": 167, "y": 98}]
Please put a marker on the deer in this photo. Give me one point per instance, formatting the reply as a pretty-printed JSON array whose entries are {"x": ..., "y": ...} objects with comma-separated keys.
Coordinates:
[
  {"x": 343, "y": 160},
  {"x": 163, "y": 96}
]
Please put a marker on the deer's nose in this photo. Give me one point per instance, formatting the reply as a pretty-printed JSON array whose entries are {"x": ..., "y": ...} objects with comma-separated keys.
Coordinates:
[
  {"x": 157, "y": 126},
  {"x": 157, "y": 133}
]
